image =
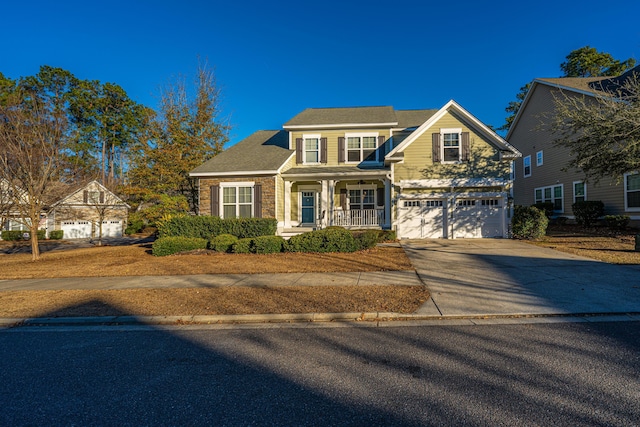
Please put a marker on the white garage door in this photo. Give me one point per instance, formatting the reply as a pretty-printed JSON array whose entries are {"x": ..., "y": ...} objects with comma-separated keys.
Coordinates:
[
  {"x": 76, "y": 229},
  {"x": 478, "y": 218},
  {"x": 421, "y": 219},
  {"x": 112, "y": 228}
]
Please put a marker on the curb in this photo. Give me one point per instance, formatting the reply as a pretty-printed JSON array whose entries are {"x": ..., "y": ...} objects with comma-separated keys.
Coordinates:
[{"x": 297, "y": 318}]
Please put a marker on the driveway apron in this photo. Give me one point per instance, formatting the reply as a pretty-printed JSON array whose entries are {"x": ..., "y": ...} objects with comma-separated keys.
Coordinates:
[{"x": 475, "y": 277}]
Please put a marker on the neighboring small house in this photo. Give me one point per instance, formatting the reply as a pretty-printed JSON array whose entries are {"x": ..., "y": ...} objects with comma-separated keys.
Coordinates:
[
  {"x": 425, "y": 173},
  {"x": 540, "y": 174},
  {"x": 81, "y": 214}
]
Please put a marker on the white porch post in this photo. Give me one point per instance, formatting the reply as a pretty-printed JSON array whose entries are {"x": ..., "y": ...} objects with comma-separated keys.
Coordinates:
[
  {"x": 324, "y": 202},
  {"x": 287, "y": 203},
  {"x": 387, "y": 203},
  {"x": 331, "y": 198}
]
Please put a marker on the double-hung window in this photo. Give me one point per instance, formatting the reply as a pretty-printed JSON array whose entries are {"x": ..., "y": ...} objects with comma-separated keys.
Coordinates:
[
  {"x": 361, "y": 147},
  {"x": 632, "y": 192},
  {"x": 362, "y": 198},
  {"x": 311, "y": 149},
  {"x": 237, "y": 201},
  {"x": 539, "y": 158},
  {"x": 451, "y": 145},
  {"x": 579, "y": 191},
  {"x": 526, "y": 162},
  {"x": 553, "y": 194}
]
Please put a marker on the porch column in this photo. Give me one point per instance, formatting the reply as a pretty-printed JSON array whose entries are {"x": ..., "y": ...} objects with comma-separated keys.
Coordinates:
[
  {"x": 330, "y": 205},
  {"x": 387, "y": 203},
  {"x": 324, "y": 202},
  {"x": 287, "y": 203}
]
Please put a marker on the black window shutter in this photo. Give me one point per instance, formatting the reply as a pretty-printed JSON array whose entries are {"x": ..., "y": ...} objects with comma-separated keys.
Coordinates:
[
  {"x": 343, "y": 198},
  {"x": 85, "y": 196},
  {"x": 215, "y": 200},
  {"x": 381, "y": 147},
  {"x": 323, "y": 150},
  {"x": 466, "y": 147},
  {"x": 257, "y": 201},
  {"x": 341, "y": 149},
  {"x": 102, "y": 197},
  {"x": 435, "y": 139},
  {"x": 380, "y": 196},
  {"x": 298, "y": 150}
]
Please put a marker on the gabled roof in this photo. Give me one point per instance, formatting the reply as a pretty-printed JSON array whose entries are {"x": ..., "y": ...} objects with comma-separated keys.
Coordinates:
[
  {"x": 506, "y": 149},
  {"x": 413, "y": 118},
  {"x": 591, "y": 86},
  {"x": 343, "y": 117},
  {"x": 263, "y": 152},
  {"x": 112, "y": 200}
]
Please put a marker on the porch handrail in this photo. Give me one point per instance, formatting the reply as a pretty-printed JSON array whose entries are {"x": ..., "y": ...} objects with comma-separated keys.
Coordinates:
[{"x": 358, "y": 217}]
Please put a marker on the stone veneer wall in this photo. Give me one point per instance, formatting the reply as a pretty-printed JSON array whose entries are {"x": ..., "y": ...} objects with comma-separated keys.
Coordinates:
[{"x": 268, "y": 193}]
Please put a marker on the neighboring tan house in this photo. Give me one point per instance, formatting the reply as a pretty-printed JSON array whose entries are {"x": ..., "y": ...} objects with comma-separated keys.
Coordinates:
[
  {"x": 541, "y": 175},
  {"x": 82, "y": 213},
  {"x": 425, "y": 173}
]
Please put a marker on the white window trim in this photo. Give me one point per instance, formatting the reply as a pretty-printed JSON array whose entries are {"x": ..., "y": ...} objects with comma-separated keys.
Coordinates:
[
  {"x": 304, "y": 147},
  {"x": 442, "y": 148},
  {"x": 574, "y": 189},
  {"x": 539, "y": 158},
  {"x": 360, "y": 135},
  {"x": 552, "y": 196},
  {"x": 361, "y": 187},
  {"x": 524, "y": 167},
  {"x": 626, "y": 203},
  {"x": 236, "y": 185}
]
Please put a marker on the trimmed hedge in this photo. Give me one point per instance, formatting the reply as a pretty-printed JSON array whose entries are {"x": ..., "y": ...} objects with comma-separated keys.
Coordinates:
[
  {"x": 243, "y": 246},
  {"x": 587, "y": 212},
  {"x": 367, "y": 239},
  {"x": 14, "y": 235},
  {"x": 56, "y": 234},
  {"x": 617, "y": 222},
  {"x": 207, "y": 227},
  {"x": 330, "y": 239},
  {"x": 546, "y": 207},
  {"x": 528, "y": 222},
  {"x": 171, "y": 245},
  {"x": 268, "y": 244},
  {"x": 223, "y": 243}
]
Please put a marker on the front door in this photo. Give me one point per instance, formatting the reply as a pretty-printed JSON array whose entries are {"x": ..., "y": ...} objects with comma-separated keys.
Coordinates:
[{"x": 308, "y": 207}]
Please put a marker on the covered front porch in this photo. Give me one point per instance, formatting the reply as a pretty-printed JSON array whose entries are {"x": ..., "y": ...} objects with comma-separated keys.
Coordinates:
[{"x": 353, "y": 199}]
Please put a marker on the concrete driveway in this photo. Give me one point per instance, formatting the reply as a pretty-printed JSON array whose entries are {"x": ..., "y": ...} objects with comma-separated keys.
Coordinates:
[{"x": 475, "y": 277}]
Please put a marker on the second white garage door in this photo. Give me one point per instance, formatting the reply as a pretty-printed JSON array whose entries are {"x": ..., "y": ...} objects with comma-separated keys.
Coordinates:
[{"x": 474, "y": 218}]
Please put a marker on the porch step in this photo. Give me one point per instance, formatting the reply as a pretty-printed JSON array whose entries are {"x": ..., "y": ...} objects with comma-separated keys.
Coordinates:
[{"x": 289, "y": 232}]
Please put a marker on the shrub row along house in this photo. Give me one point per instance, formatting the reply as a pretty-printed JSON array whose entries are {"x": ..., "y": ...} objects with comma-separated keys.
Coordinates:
[
  {"x": 425, "y": 173},
  {"x": 90, "y": 211},
  {"x": 541, "y": 174}
]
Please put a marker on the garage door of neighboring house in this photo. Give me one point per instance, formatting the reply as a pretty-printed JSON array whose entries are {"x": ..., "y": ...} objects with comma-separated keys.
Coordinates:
[
  {"x": 473, "y": 218},
  {"x": 111, "y": 228},
  {"x": 76, "y": 229},
  {"x": 422, "y": 219}
]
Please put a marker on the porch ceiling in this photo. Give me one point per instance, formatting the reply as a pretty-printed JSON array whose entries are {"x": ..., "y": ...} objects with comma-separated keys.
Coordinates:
[{"x": 334, "y": 172}]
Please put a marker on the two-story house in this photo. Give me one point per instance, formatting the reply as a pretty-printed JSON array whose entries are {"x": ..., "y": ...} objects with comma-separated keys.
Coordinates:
[
  {"x": 425, "y": 173},
  {"x": 541, "y": 174}
]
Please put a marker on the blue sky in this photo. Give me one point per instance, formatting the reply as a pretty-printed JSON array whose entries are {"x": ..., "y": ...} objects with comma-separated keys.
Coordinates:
[{"x": 273, "y": 59}]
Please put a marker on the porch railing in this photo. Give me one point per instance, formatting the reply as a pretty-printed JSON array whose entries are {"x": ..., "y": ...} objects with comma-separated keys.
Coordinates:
[{"x": 358, "y": 217}]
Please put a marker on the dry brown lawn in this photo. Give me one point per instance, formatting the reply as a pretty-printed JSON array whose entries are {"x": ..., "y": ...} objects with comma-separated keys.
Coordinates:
[
  {"x": 137, "y": 260},
  {"x": 597, "y": 243}
]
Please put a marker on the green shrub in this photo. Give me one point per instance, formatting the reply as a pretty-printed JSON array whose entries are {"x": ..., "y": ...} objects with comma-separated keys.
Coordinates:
[
  {"x": 366, "y": 239},
  {"x": 223, "y": 243},
  {"x": 330, "y": 239},
  {"x": 171, "y": 245},
  {"x": 546, "y": 207},
  {"x": 268, "y": 244},
  {"x": 617, "y": 222},
  {"x": 244, "y": 246},
  {"x": 56, "y": 234},
  {"x": 135, "y": 225},
  {"x": 208, "y": 227},
  {"x": 13, "y": 235},
  {"x": 387, "y": 236},
  {"x": 587, "y": 212},
  {"x": 528, "y": 222}
]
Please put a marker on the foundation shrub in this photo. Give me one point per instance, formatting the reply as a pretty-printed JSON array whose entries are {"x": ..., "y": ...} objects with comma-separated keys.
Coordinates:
[
  {"x": 243, "y": 246},
  {"x": 268, "y": 244},
  {"x": 171, "y": 245},
  {"x": 587, "y": 212},
  {"x": 528, "y": 223},
  {"x": 223, "y": 243}
]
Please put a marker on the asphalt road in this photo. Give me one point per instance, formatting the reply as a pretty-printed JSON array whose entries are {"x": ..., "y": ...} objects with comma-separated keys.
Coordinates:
[{"x": 353, "y": 375}]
